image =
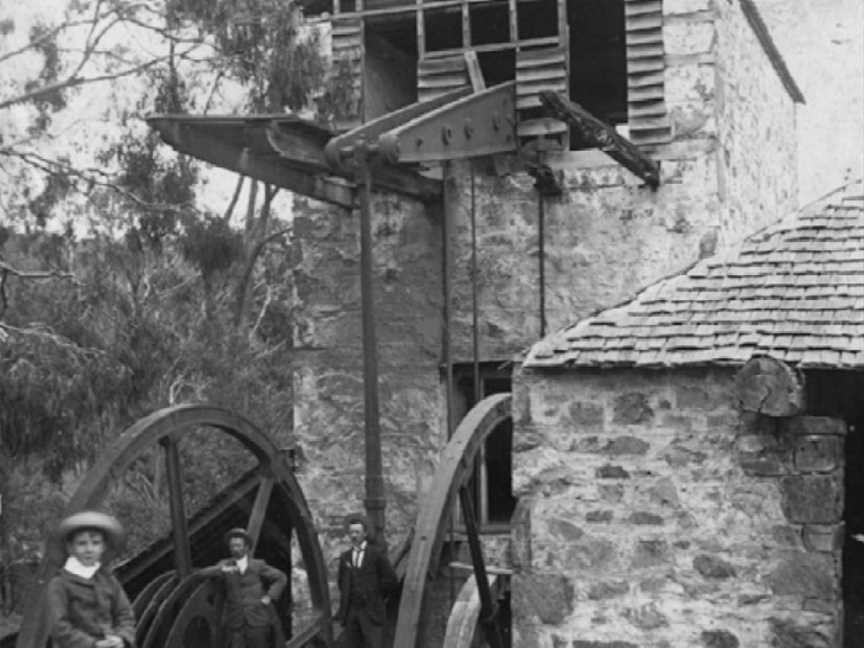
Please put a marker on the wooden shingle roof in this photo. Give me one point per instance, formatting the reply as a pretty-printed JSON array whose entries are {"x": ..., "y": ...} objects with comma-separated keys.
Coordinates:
[{"x": 794, "y": 291}]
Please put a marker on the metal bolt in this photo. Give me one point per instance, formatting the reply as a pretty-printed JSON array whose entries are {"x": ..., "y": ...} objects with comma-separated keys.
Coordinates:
[
  {"x": 469, "y": 128},
  {"x": 446, "y": 134},
  {"x": 496, "y": 121}
]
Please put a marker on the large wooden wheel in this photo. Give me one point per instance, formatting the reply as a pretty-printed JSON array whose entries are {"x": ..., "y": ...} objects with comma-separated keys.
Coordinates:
[
  {"x": 435, "y": 509},
  {"x": 181, "y": 608}
]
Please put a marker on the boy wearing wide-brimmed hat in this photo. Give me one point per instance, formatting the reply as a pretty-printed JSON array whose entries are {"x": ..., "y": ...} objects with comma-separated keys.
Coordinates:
[{"x": 87, "y": 607}]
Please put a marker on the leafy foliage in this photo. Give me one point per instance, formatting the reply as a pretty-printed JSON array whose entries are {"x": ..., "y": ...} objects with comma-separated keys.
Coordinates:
[{"x": 260, "y": 43}]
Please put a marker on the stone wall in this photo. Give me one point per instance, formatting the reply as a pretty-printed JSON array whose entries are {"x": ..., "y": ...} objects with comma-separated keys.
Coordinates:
[
  {"x": 823, "y": 43},
  {"x": 605, "y": 237},
  {"x": 328, "y": 369},
  {"x": 653, "y": 514},
  {"x": 758, "y": 175}
]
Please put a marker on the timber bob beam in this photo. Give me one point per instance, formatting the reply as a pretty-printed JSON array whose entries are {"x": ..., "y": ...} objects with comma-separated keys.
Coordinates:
[{"x": 310, "y": 159}]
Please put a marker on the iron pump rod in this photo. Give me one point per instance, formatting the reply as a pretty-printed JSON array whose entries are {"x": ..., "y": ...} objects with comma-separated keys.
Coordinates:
[{"x": 375, "y": 501}]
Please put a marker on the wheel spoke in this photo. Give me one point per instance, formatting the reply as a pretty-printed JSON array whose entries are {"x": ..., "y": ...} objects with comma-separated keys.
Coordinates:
[
  {"x": 488, "y": 606},
  {"x": 182, "y": 550},
  {"x": 259, "y": 509}
]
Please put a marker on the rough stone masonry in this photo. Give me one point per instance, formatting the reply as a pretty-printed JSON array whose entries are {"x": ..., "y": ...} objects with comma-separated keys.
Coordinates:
[{"x": 654, "y": 513}]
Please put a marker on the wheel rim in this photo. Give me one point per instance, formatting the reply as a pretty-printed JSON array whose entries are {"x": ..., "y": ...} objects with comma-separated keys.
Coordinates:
[
  {"x": 454, "y": 469},
  {"x": 164, "y": 427}
]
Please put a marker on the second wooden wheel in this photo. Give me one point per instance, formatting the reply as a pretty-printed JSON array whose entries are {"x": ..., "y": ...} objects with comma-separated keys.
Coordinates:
[{"x": 451, "y": 483}]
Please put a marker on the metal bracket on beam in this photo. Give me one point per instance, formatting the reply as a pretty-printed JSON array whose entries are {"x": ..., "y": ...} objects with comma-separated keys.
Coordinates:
[
  {"x": 483, "y": 123},
  {"x": 339, "y": 151}
]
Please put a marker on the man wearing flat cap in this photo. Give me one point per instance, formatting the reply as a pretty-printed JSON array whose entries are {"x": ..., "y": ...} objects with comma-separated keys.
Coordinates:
[
  {"x": 366, "y": 578},
  {"x": 87, "y": 607},
  {"x": 251, "y": 585}
]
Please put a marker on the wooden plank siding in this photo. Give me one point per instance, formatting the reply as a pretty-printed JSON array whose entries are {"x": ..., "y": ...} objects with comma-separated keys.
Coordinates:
[{"x": 646, "y": 106}]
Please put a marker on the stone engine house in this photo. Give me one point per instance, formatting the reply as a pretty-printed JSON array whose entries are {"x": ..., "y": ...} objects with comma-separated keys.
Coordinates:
[{"x": 636, "y": 495}]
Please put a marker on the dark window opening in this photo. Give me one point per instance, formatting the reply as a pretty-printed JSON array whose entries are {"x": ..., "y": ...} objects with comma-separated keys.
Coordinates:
[
  {"x": 497, "y": 67},
  {"x": 390, "y": 64},
  {"x": 490, "y": 23},
  {"x": 347, "y": 6},
  {"x": 492, "y": 483},
  {"x": 537, "y": 19},
  {"x": 598, "y": 60},
  {"x": 443, "y": 29},
  {"x": 840, "y": 394}
]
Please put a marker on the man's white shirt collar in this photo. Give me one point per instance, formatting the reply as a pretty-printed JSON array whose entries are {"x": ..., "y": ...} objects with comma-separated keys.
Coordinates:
[
  {"x": 357, "y": 554},
  {"x": 75, "y": 566},
  {"x": 242, "y": 564}
]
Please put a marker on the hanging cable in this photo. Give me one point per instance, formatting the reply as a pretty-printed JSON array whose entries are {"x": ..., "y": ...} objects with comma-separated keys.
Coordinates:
[
  {"x": 541, "y": 254},
  {"x": 475, "y": 335}
]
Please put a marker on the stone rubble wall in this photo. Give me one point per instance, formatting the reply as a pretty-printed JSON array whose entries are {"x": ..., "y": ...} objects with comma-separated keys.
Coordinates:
[
  {"x": 328, "y": 364},
  {"x": 653, "y": 515},
  {"x": 756, "y": 117}
]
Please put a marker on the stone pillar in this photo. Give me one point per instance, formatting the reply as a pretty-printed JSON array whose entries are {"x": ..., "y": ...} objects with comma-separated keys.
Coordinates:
[{"x": 805, "y": 455}]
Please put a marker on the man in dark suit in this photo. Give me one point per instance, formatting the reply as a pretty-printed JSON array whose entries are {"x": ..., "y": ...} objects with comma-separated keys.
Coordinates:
[
  {"x": 248, "y": 620},
  {"x": 365, "y": 579}
]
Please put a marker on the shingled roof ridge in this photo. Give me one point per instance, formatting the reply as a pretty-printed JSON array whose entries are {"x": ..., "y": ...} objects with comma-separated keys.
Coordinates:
[{"x": 723, "y": 308}]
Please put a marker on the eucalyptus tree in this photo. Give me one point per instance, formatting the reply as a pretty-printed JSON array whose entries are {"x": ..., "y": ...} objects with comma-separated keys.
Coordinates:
[{"x": 123, "y": 287}]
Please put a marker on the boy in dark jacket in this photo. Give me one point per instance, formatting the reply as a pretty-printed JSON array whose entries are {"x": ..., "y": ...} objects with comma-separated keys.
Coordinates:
[{"x": 87, "y": 607}]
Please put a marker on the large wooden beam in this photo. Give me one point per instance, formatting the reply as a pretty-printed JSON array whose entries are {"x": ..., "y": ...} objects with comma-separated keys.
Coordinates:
[
  {"x": 283, "y": 152},
  {"x": 227, "y": 155},
  {"x": 597, "y": 133}
]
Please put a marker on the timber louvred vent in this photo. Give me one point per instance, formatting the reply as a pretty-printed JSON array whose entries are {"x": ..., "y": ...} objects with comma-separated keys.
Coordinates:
[
  {"x": 646, "y": 107},
  {"x": 441, "y": 75},
  {"x": 347, "y": 49},
  {"x": 538, "y": 69}
]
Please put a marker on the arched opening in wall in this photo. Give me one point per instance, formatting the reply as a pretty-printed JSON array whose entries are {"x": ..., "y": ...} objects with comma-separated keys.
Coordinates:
[
  {"x": 492, "y": 483},
  {"x": 840, "y": 394}
]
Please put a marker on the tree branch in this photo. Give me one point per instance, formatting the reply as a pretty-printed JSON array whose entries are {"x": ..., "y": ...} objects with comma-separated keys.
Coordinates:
[
  {"x": 230, "y": 210},
  {"x": 73, "y": 81},
  {"x": 42, "y": 274}
]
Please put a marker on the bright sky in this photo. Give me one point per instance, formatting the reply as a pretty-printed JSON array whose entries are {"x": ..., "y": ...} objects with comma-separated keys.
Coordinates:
[{"x": 93, "y": 118}]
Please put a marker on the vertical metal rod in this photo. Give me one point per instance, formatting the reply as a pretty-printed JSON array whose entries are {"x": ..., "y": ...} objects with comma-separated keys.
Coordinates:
[
  {"x": 447, "y": 287},
  {"x": 488, "y": 607},
  {"x": 541, "y": 243},
  {"x": 180, "y": 529},
  {"x": 445, "y": 341},
  {"x": 375, "y": 501}
]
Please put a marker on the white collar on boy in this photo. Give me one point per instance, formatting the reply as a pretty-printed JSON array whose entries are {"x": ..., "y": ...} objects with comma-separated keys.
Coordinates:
[{"x": 75, "y": 566}]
